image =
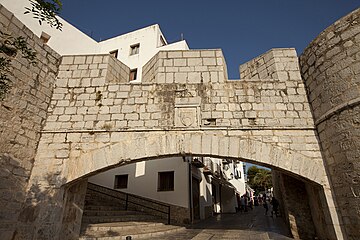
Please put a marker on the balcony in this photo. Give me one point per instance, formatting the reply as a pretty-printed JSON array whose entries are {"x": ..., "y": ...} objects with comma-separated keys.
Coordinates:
[{"x": 197, "y": 162}]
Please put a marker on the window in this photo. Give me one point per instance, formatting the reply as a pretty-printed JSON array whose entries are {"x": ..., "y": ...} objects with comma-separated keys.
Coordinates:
[
  {"x": 114, "y": 53},
  {"x": 134, "y": 49},
  {"x": 121, "y": 181},
  {"x": 162, "y": 41},
  {"x": 133, "y": 74},
  {"x": 237, "y": 174},
  {"x": 166, "y": 181},
  {"x": 44, "y": 37}
]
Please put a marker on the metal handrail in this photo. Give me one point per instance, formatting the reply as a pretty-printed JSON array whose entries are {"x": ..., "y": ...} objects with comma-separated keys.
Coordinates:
[{"x": 134, "y": 196}]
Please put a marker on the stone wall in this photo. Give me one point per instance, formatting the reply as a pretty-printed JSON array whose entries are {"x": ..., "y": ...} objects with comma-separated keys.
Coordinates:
[
  {"x": 93, "y": 101},
  {"x": 22, "y": 117},
  {"x": 96, "y": 120},
  {"x": 89, "y": 111},
  {"x": 330, "y": 66},
  {"x": 304, "y": 207},
  {"x": 74, "y": 199},
  {"x": 95, "y": 123},
  {"x": 279, "y": 64},
  {"x": 193, "y": 66}
]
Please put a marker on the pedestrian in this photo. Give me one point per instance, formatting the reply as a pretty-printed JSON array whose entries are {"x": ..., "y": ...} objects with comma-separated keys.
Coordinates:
[
  {"x": 275, "y": 206},
  {"x": 246, "y": 202},
  {"x": 242, "y": 203},
  {"x": 251, "y": 203},
  {"x": 238, "y": 201},
  {"x": 266, "y": 206}
]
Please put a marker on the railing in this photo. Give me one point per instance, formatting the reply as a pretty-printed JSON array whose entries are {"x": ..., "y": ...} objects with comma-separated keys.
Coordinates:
[{"x": 127, "y": 200}]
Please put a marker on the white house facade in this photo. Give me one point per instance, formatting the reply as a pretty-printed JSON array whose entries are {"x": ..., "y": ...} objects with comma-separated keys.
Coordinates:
[{"x": 134, "y": 49}]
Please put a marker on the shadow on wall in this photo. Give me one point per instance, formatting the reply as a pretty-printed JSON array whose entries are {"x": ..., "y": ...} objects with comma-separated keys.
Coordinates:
[
  {"x": 50, "y": 210},
  {"x": 304, "y": 207},
  {"x": 13, "y": 181}
]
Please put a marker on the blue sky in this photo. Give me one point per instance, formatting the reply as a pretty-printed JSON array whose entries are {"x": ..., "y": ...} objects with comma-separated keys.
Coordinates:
[{"x": 242, "y": 29}]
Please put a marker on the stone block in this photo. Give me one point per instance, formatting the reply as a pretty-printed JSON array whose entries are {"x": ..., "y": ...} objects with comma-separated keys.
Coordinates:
[
  {"x": 79, "y": 59},
  {"x": 194, "y": 77},
  {"x": 160, "y": 78},
  {"x": 214, "y": 77},
  {"x": 98, "y": 82},
  {"x": 66, "y": 60},
  {"x": 169, "y": 77},
  {"x": 209, "y": 61},
  {"x": 207, "y": 53},
  {"x": 168, "y": 62},
  {"x": 98, "y": 59},
  {"x": 195, "y": 62},
  {"x": 174, "y": 54},
  {"x": 205, "y": 77},
  {"x": 180, "y": 77},
  {"x": 191, "y": 54},
  {"x": 179, "y": 62}
]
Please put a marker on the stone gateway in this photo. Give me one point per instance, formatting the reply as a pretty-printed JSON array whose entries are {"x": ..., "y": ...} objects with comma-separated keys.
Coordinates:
[{"x": 71, "y": 117}]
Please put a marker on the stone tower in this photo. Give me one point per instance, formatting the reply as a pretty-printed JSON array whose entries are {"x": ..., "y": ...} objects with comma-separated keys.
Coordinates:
[{"x": 330, "y": 67}]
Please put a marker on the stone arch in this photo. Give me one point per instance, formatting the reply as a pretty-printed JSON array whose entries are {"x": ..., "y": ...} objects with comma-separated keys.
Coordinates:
[{"x": 145, "y": 146}]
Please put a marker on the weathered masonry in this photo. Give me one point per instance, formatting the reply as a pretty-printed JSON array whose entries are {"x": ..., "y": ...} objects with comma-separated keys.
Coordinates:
[
  {"x": 184, "y": 106},
  {"x": 331, "y": 72},
  {"x": 91, "y": 119}
]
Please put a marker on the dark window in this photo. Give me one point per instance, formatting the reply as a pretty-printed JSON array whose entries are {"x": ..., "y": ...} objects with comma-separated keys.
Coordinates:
[
  {"x": 166, "y": 181},
  {"x": 133, "y": 74},
  {"x": 45, "y": 37},
  {"x": 114, "y": 53},
  {"x": 121, "y": 181},
  {"x": 162, "y": 41},
  {"x": 134, "y": 49},
  {"x": 237, "y": 174}
]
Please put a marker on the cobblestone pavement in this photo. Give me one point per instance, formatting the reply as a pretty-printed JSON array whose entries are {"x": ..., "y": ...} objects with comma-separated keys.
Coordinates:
[{"x": 250, "y": 225}]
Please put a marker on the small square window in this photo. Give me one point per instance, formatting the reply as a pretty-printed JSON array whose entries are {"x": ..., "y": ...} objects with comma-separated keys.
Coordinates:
[
  {"x": 121, "y": 181},
  {"x": 166, "y": 181},
  {"x": 133, "y": 74},
  {"x": 134, "y": 49},
  {"x": 45, "y": 37},
  {"x": 114, "y": 53}
]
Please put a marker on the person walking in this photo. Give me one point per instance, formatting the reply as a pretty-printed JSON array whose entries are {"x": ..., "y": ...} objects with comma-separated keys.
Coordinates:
[
  {"x": 275, "y": 206},
  {"x": 242, "y": 203},
  {"x": 266, "y": 206}
]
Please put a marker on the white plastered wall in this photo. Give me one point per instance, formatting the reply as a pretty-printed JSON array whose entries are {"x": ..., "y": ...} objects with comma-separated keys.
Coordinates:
[
  {"x": 149, "y": 40},
  {"x": 66, "y": 42},
  {"x": 205, "y": 194},
  {"x": 71, "y": 41},
  {"x": 143, "y": 180}
]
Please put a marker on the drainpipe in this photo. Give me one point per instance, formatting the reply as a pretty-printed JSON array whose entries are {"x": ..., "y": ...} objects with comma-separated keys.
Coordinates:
[
  {"x": 220, "y": 201},
  {"x": 190, "y": 192}
]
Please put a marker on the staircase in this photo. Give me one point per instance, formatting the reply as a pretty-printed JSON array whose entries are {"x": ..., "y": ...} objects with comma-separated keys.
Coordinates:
[{"x": 109, "y": 214}]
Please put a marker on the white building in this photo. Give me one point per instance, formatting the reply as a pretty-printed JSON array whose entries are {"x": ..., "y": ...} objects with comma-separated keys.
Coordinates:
[
  {"x": 228, "y": 182},
  {"x": 204, "y": 187},
  {"x": 165, "y": 180},
  {"x": 134, "y": 49}
]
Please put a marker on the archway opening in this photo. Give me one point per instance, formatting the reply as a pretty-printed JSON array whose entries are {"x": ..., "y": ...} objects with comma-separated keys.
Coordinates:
[{"x": 185, "y": 189}]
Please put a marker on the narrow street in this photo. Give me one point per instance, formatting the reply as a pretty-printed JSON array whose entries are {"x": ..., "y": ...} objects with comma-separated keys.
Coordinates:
[{"x": 249, "y": 225}]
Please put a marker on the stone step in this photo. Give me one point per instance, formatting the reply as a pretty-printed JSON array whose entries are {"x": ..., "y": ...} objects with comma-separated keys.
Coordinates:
[
  {"x": 106, "y": 200},
  {"x": 104, "y": 208},
  {"x": 97, "y": 195},
  {"x": 118, "y": 226},
  {"x": 104, "y": 219},
  {"x": 111, "y": 212},
  {"x": 138, "y": 233}
]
